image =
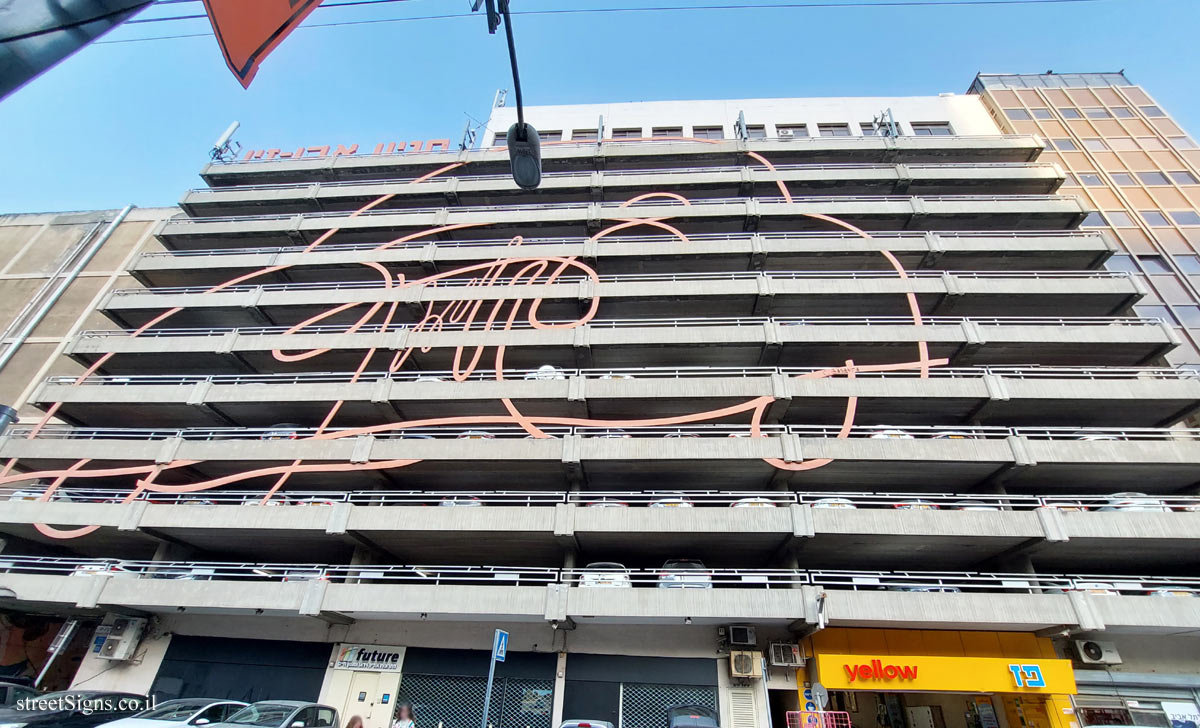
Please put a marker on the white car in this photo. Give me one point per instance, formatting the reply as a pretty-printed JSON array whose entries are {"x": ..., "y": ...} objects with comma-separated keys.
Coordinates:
[
  {"x": 33, "y": 495},
  {"x": 606, "y": 575},
  {"x": 616, "y": 376},
  {"x": 546, "y": 372},
  {"x": 195, "y": 573},
  {"x": 679, "y": 502},
  {"x": 429, "y": 378},
  {"x": 752, "y": 503},
  {"x": 1095, "y": 587},
  {"x": 890, "y": 434},
  {"x": 606, "y": 503},
  {"x": 1164, "y": 592},
  {"x": 1065, "y": 506},
  {"x": 1132, "y": 501},
  {"x": 460, "y": 501},
  {"x": 833, "y": 503},
  {"x": 179, "y": 713},
  {"x": 684, "y": 574},
  {"x": 1091, "y": 436},
  {"x": 476, "y": 435}
]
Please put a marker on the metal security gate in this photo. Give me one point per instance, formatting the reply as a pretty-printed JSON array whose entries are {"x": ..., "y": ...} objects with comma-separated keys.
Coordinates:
[
  {"x": 452, "y": 701},
  {"x": 645, "y": 705}
]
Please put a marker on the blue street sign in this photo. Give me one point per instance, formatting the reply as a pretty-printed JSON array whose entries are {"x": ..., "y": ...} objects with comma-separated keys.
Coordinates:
[{"x": 500, "y": 646}]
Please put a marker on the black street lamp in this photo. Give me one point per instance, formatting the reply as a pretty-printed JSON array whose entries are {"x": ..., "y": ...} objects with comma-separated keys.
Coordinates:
[{"x": 524, "y": 145}]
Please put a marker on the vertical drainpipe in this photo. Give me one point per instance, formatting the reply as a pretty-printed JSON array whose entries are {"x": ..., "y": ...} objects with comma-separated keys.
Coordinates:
[{"x": 8, "y": 416}]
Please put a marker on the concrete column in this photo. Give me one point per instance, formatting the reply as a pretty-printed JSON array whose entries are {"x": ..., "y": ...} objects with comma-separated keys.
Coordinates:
[{"x": 560, "y": 685}]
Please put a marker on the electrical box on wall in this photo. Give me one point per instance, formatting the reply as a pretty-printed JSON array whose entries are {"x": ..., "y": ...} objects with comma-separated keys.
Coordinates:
[
  {"x": 122, "y": 639},
  {"x": 786, "y": 654},
  {"x": 745, "y": 663}
]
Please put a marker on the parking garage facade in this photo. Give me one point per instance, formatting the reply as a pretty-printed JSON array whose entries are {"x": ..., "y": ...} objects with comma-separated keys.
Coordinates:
[{"x": 864, "y": 387}]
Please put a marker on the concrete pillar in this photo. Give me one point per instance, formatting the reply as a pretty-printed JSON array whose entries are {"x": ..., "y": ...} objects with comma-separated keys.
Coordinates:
[{"x": 560, "y": 685}]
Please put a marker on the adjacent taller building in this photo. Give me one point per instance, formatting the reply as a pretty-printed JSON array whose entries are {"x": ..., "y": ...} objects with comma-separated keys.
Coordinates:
[{"x": 749, "y": 395}]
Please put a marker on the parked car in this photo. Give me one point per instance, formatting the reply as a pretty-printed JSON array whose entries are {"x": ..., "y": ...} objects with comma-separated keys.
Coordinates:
[
  {"x": 460, "y": 501},
  {"x": 692, "y": 716},
  {"x": 954, "y": 435},
  {"x": 476, "y": 435},
  {"x": 676, "y": 502},
  {"x": 974, "y": 506},
  {"x": 546, "y": 372},
  {"x": 752, "y": 503},
  {"x": 429, "y": 378},
  {"x": 1086, "y": 435},
  {"x": 606, "y": 503},
  {"x": 194, "y": 573},
  {"x": 611, "y": 375},
  {"x": 282, "y": 714},
  {"x": 11, "y": 692},
  {"x": 833, "y": 503},
  {"x": 612, "y": 433},
  {"x": 930, "y": 588},
  {"x": 890, "y": 434},
  {"x": 1132, "y": 501},
  {"x": 183, "y": 712},
  {"x": 282, "y": 431},
  {"x": 75, "y": 709},
  {"x": 917, "y": 504},
  {"x": 684, "y": 574},
  {"x": 1095, "y": 587},
  {"x": 1171, "y": 593},
  {"x": 1065, "y": 506},
  {"x": 577, "y": 723},
  {"x": 32, "y": 494},
  {"x": 605, "y": 574},
  {"x": 677, "y": 435}
]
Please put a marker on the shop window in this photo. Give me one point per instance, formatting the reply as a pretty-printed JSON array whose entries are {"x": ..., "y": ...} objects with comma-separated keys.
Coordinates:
[
  {"x": 1018, "y": 114},
  {"x": 1153, "y": 178},
  {"x": 1093, "y": 219},
  {"x": 1090, "y": 179},
  {"x": 1185, "y": 217},
  {"x": 667, "y": 131},
  {"x": 1152, "y": 111},
  {"x": 1123, "y": 112},
  {"x": 1154, "y": 218},
  {"x": 1123, "y": 179},
  {"x": 1095, "y": 145},
  {"x": 629, "y": 133},
  {"x": 1065, "y": 145},
  {"x": 1097, "y": 113},
  {"x": 708, "y": 132},
  {"x": 583, "y": 135},
  {"x": 796, "y": 130},
  {"x": 1068, "y": 113},
  {"x": 838, "y": 130},
  {"x": 1042, "y": 113},
  {"x": 1117, "y": 218},
  {"x": 932, "y": 128},
  {"x": 1154, "y": 264},
  {"x": 756, "y": 131},
  {"x": 1184, "y": 178}
]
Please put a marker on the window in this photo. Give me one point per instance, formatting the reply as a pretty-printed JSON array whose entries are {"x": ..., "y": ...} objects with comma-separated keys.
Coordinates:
[
  {"x": 1017, "y": 114},
  {"x": 1095, "y": 145},
  {"x": 1097, "y": 113},
  {"x": 1182, "y": 142},
  {"x": 1188, "y": 263},
  {"x": 1189, "y": 315},
  {"x": 1158, "y": 312},
  {"x": 1186, "y": 217},
  {"x": 838, "y": 130},
  {"x": 1070, "y": 180},
  {"x": 1123, "y": 179},
  {"x": 791, "y": 130},
  {"x": 1119, "y": 219},
  {"x": 708, "y": 132},
  {"x": 1153, "y": 178},
  {"x": 1121, "y": 263},
  {"x": 1091, "y": 180},
  {"x": 501, "y": 140},
  {"x": 1070, "y": 113},
  {"x": 550, "y": 136},
  {"x": 629, "y": 133},
  {"x": 1122, "y": 112},
  {"x": 1065, "y": 145},
  {"x": 1093, "y": 219},
  {"x": 1151, "y": 144},
  {"x": 932, "y": 128},
  {"x": 1184, "y": 178},
  {"x": 1152, "y": 111},
  {"x": 1042, "y": 114},
  {"x": 1153, "y": 263},
  {"x": 868, "y": 129},
  {"x": 667, "y": 131},
  {"x": 1122, "y": 144},
  {"x": 583, "y": 135},
  {"x": 1154, "y": 218},
  {"x": 756, "y": 131}
]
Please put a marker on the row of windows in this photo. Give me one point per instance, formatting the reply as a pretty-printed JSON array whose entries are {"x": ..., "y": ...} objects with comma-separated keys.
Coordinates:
[
  {"x": 1153, "y": 218},
  {"x": 1121, "y": 144},
  {"x": 1070, "y": 112},
  {"x": 1124, "y": 179},
  {"x": 1189, "y": 264},
  {"x": 753, "y": 131}
]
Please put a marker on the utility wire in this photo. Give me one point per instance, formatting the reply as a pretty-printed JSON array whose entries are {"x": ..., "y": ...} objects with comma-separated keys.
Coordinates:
[{"x": 651, "y": 9}]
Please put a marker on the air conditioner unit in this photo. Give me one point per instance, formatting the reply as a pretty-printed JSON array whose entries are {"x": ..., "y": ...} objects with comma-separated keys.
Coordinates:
[
  {"x": 786, "y": 133},
  {"x": 786, "y": 654},
  {"x": 745, "y": 663},
  {"x": 122, "y": 639},
  {"x": 1092, "y": 652},
  {"x": 742, "y": 635}
]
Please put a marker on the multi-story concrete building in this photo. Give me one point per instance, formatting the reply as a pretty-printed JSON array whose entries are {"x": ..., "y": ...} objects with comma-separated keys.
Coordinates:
[{"x": 848, "y": 372}]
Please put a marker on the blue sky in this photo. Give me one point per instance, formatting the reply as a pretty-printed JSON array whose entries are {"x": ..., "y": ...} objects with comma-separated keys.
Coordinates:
[{"x": 132, "y": 122}]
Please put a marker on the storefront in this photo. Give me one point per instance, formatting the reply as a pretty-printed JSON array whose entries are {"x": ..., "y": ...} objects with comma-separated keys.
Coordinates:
[
  {"x": 363, "y": 680},
  {"x": 943, "y": 679}
]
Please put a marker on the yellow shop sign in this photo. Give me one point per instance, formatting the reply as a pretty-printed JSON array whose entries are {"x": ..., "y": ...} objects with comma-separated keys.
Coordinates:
[{"x": 945, "y": 674}]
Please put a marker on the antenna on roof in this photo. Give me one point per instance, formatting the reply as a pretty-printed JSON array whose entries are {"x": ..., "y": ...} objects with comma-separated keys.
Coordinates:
[{"x": 224, "y": 149}]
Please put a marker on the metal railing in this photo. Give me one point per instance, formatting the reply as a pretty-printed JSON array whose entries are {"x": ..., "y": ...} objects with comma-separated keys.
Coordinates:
[
  {"x": 659, "y": 499},
  {"x": 513, "y": 432},
  {"x": 486, "y": 375},
  {"x": 620, "y": 278},
  {"x": 668, "y": 576},
  {"x": 611, "y": 241},
  {"x": 585, "y": 176},
  {"x": 737, "y": 202},
  {"x": 656, "y": 323}
]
